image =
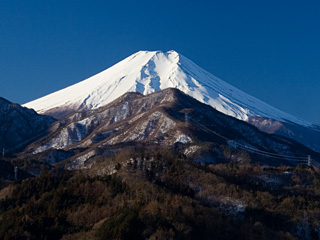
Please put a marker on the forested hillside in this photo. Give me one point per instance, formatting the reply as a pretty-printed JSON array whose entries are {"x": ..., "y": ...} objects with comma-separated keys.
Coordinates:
[{"x": 164, "y": 196}]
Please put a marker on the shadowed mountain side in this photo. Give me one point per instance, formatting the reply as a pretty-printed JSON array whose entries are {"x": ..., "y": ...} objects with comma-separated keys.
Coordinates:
[
  {"x": 20, "y": 126},
  {"x": 309, "y": 136}
]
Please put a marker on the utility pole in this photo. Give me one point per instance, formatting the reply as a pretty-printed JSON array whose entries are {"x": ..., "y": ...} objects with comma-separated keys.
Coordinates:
[
  {"x": 16, "y": 173},
  {"x": 309, "y": 161},
  {"x": 2, "y": 152},
  {"x": 186, "y": 117}
]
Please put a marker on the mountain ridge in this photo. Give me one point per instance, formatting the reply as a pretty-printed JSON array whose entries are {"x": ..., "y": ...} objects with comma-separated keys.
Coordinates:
[{"x": 165, "y": 117}]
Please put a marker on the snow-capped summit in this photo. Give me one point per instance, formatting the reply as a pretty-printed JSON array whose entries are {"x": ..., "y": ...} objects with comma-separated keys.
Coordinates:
[{"x": 150, "y": 71}]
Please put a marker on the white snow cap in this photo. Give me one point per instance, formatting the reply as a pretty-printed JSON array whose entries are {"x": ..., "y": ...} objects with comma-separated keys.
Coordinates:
[{"x": 150, "y": 71}]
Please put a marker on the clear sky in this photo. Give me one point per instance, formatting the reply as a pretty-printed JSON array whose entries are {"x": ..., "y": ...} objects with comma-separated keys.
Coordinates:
[{"x": 269, "y": 49}]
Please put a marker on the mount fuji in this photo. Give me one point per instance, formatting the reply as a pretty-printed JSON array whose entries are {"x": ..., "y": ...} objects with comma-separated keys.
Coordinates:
[
  {"x": 150, "y": 71},
  {"x": 147, "y": 72}
]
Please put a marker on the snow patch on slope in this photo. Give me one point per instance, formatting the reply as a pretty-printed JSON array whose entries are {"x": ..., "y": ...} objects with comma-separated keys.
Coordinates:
[{"x": 182, "y": 138}]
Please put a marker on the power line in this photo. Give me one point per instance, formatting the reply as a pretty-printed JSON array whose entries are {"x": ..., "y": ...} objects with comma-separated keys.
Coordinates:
[
  {"x": 246, "y": 147},
  {"x": 301, "y": 159},
  {"x": 269, "y": 154},
  {"x": 314, "y": 163},
  {"x": 257, "y": 151}
]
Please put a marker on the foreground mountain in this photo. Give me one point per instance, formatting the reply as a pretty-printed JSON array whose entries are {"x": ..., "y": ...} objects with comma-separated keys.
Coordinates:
[
  {"x": 20, "y": 126},
  {"x": 167, "y": 118},
  {"x": 146, "y": 72}
]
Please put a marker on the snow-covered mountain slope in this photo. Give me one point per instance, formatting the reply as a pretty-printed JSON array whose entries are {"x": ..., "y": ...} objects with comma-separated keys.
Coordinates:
[{"x": 147, "y": 72}]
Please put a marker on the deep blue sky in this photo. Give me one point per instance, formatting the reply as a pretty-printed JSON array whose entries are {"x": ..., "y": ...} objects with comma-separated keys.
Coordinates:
[{"x": 269, "y": 49}]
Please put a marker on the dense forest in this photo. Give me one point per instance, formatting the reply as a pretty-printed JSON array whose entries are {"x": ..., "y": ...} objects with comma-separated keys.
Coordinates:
[{"x": 164, "y": 196}]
